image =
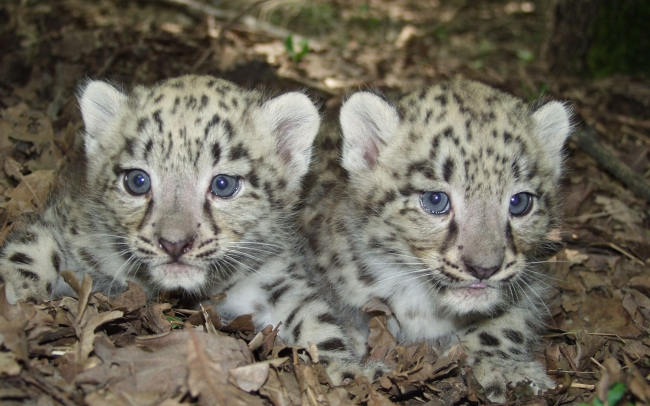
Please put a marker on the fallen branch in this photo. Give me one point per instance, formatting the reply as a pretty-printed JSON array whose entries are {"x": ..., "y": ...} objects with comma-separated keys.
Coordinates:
[
  {"x": 587, "y": 142},
  {"x": 256, "y": 26}
]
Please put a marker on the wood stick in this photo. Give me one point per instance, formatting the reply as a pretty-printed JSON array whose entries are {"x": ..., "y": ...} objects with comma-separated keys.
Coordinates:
[
  {"x": 588, "y": 142},
  {"x": 227, "y": 15}
]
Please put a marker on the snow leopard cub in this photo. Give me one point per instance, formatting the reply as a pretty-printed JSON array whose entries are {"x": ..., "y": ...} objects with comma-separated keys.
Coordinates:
[
  {"x": 188, "y": 185},
  {"x": 448, "y": 205}
]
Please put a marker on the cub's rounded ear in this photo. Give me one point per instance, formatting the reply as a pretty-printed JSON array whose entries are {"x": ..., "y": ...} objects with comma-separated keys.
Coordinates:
[
  {"x": 553, "y": 122},
  {"x": 368, "y": 122},
  {"x": 100, "y": 103},
  {"x": 294, "y": 120}
]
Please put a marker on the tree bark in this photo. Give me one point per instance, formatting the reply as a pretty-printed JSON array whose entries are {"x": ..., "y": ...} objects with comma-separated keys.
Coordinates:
[{"x": 596, "y": 38}]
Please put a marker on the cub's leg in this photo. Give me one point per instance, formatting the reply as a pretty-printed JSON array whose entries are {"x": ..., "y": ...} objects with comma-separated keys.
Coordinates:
[{"x": 30, "y": 261}]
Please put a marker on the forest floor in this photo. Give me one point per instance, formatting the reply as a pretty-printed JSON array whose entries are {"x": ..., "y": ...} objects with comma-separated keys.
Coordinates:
[{"x": 89, "y": 350}]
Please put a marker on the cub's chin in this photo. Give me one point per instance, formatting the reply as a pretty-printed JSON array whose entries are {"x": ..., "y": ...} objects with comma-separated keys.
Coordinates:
[
  {"x": 476, "y": 298},
  {"x": 177, "y": 276}
]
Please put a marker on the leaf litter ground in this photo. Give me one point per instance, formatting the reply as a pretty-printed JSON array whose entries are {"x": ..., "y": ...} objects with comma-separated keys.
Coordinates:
[{"x": 113, "y": 351}]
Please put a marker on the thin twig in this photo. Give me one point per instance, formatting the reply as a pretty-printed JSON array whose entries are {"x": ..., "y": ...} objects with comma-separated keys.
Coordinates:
[
  {"x": 250, "y": 22},
  {"x": 625, "y": 253},
  {"x": 587, "y": 141}
]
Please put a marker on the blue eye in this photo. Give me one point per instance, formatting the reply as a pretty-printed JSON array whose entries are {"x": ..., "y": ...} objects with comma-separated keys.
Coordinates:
[
  {"x": 520, "y": 204},
  {"x": 224, "y": 185},
  {"x": 137, "y": 182},
  {"x": 435, "y": 202}
]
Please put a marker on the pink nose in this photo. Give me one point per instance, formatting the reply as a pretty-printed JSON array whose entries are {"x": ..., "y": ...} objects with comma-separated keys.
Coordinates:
[
  {"x": 480, "y": 272},
  {"x": 177, "y": 248}
]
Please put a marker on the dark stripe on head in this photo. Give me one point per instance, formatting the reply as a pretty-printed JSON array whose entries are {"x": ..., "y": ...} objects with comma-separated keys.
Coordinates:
[
  {"x": 452, "y": 234},
  {"x": 447, "y": 169},
  {"x": 213, "y": 121},
  {"x": 509, "y": 239},
  {"x": 216, "y": 153},
  {"x": 207, "y": 212},
  {"x": 158, "y": 120},
  {"x": 147, "y": 214}
]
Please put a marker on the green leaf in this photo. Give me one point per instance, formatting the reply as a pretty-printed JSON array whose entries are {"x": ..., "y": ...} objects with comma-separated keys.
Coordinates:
[
  {"x": 616, "y": 393},
  {"x": 289, "y": 46},
  {"x": 525, "y": 55}
]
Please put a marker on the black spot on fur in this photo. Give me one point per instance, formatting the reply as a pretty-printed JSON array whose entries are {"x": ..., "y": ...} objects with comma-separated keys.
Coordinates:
[
  {"x": 427, "y": 117},
  {"x": 227, "y": 127},
  {"x": 147, "y": 214},
  {"x": 29, "y": 274},
  {"x": 215, "y": 120},
  {"x": 514, "y": 336},
  {"x": 56, "y": 261},
  {"x": 327, "y": 318},
  {"x": 502, "y": 354},
  {"x": 237, "y": 152},
  {"x": 365, "y": 276},
  {"x": 277, "y": 294},
  {"x": 452, "y": 234},
  {"x": 515, "y": 170},
  {"x": 147, "y": 148},
  {"x": 292, "y": 315},
  {"x": 509, "y": 239},
  {"x": 142, "y": 123},
  {"x": 488, "y": 339},
  {"x": 20, "y": 258},
  {"x": 129, "y": 145},
  {"x": 207, "y": 212},
  {"x": 204, "y": 102},
  {"x": 296, "y": 331},
  {"x": 253, "y": 179},
  {"x": 272, "y": 285},
  {"x": 334, "y": 344},
  {"x": 447, "y": 169},
  {"x": 158, "y": 120},
  {"x": 216, "y": 153}
]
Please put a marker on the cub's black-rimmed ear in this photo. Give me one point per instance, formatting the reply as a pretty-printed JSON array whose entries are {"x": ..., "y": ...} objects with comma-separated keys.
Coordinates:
[
  {"x": 100, "y": 103},
  {"x": 553, "y": 122},
  {"x": 294, "y": 120},
  {"x": 368, "y": 122}
]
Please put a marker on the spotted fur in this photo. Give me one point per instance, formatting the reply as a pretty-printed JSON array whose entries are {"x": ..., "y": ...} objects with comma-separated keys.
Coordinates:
[
  {"x": 378, "y": 227},
  {"x": 146, "y": 208}
]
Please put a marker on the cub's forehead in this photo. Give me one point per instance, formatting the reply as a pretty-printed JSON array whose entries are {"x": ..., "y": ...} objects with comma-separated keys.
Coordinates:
[
  {"x": 194, "y": 96},
  {"x": 465, "y": 116}
]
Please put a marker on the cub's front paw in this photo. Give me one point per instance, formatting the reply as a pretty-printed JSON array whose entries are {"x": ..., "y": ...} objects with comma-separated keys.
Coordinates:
[
  {"x": 343, "y": 371},
  {"x": 494, "y": 377},
  {"x": 24, "y": 284}
]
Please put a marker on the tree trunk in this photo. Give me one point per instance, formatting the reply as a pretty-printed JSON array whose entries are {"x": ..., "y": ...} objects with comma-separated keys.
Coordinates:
[{"x": 596, "y": 38}]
